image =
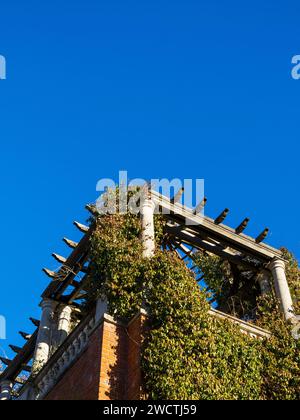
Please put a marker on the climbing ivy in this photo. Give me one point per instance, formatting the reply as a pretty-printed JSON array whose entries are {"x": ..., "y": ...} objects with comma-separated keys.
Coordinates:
[{"x": 187, "y": 353}]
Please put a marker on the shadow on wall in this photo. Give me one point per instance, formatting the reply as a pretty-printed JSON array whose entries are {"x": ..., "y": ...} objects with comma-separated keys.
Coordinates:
[{"x": 115, "y": 365}]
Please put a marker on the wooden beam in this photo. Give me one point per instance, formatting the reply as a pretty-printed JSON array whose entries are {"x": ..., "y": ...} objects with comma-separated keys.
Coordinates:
[
  {"x": 16, "y": 365},
  {"x": 178, "y": 196},
  {"x": 78, "y": 289},
  {"x": 5, "y": 361},
  {"x": 59, "y": 258},
  {"x": 221, "y": 217},
  {"x": 19, "y": 381},
  {"x": 262, "y": 236},
  {"x": 200, "y": 206},
  {"x": 70, "y": 243},
  {"x": 192, "y": 239},
  {"x": 242, "y": 226},
  {"x": 92, "y": 209},
  {"x": 15, "y": 349},
  {"x": 81, "y": 227},
  {"x": 78, "y": 256},
  {"x": 26, "y": 368},
  {"x": 25, "y": 335},
  {"x": 49, "y": 273},
  {"x": 242, "y": 243},
  {"x": 35, "y": 322}
]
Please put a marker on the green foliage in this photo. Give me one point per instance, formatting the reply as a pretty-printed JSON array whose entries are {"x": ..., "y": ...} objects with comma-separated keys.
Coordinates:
[
  {"x": 187, "y": 353},
  {"x": 233, "y": 288}
]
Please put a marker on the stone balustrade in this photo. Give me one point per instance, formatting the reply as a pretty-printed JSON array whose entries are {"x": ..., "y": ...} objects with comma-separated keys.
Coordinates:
[
  {"x": 38, "y": 387},
  {"x": 69, "y": 352},
  {"x": 245, "y": 327}
]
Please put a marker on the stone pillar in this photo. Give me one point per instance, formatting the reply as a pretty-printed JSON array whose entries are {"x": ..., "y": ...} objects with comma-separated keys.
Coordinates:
[
  {"x": 264, "y": 282},
  {"x": 64, "y": 323},
  {"x": 6, "y": 388},
  {"x": 101, "y": 308},
  {"x": 42, "y": 349},
  {"x": 277, "y": 268},
  {"x": 148, "y": 236}
]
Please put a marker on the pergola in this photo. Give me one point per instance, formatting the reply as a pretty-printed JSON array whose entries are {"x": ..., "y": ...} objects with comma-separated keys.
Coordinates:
[{"x": 188, "y": 231}]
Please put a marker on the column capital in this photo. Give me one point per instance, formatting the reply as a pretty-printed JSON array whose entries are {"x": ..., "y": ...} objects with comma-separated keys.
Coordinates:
[
  {"x": 5, "y": 388},
  {"x": 65, "y": 308},
  {"x": 277, "y": 263},
  {"x": 277, "y": 266},
  {"x": 6, "y": 383},
  {"x": 147, "y": 204},
  {"x": 48, "y": 304}
]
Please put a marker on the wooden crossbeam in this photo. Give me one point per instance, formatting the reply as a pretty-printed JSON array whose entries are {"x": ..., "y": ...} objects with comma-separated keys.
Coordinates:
[
  {"x": 26, "y": 368},
  {"x": 221, "y": 217},
  {"x": 226, "y": 235},
  {"x": 178, "y": 196},
  {"x": 262, "y": 236},
  {"x": 200, "y": 206},
  {"x": 35, "y": 322},
  {"x": 49, "y": 273},
  {"x": 92, "y": 209},
  {"x": 15, "y": 349},
  {"x": 59, "y": 258},
  {"x": 71, "y": 244},
  {"x": 242, "y": 226},
  {"x": 77, "y": 258},
  {"x": 16, "y": 365},
  {"x": 196, "y": 241},
  {"x": 81, "y": 227},
  {"x": 78, "y": 289},
  {"x": 5, "y": 361},
  {"x": 25, "y": 335},
  {"x": 19, "y": 381}
]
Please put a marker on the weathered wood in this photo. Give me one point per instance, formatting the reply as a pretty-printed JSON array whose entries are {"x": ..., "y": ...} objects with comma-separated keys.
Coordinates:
[
  {"x": 78, "y": 257},
  {"x": 26, "y": 368},
  {"x": 242, "y": 226},
  {"x": 92, "y": 209},
  {"x": 25, "y": 335},
  {"x": 178, "y": 196},
  {"x": 49, "y": 273},
  {"x": 16, "y": 365},
  {"x": 225, "y": 234},
  {"x": 221, "y": 217},
  {"x": 15, "y": 349},
  {"x": 71, "y": 244},
  {"x": 191, "y": 239},
  {"x": 262, "y": 236},
  {"x": 200, "y": 206},
  {"x": 81, "y": 227},
  {"x": 35, "y": 322},
  {"x": 59, "y": 258},
  {"x": 5, "y": 361}
]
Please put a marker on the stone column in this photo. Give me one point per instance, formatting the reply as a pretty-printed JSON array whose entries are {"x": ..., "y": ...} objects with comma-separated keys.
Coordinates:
[
  {"x": 148, "y": 236},
  {"x": 101, "y": 308},
  {"x": 64, "y": 323},
  {"x": 6, "y": 388},
  {"x": 264, "y": 282},
  {"x": 277, "y": 268},
  {"x": 42, "y": 349}
]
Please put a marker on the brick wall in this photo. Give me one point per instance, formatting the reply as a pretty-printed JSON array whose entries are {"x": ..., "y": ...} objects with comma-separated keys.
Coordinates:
[
  {"x": 81, "y": 381},
  {"x": 109, "y": 369}
]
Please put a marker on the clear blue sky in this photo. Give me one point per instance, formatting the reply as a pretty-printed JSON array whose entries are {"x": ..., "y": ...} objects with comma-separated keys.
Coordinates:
[{"x": 205, "y": 84}]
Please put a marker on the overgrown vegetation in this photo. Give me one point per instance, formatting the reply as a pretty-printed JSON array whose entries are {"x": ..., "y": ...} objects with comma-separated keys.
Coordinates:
[{"x": 187, "y": 353}]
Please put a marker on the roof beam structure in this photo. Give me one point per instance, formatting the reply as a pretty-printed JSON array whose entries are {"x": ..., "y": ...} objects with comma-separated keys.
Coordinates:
[
  {"x": 61, "y": 280},
  {"x": 204, "y": 228}
]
